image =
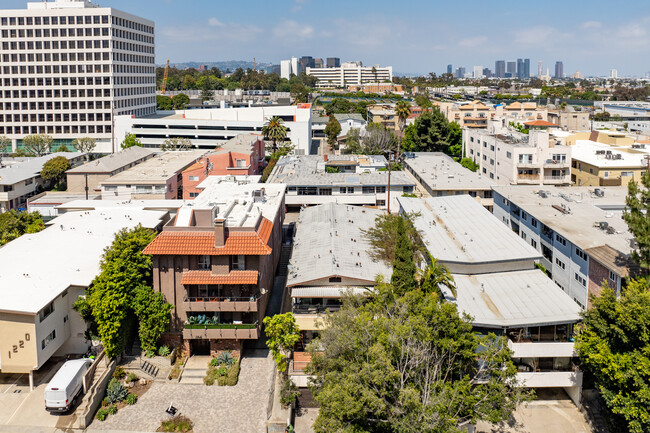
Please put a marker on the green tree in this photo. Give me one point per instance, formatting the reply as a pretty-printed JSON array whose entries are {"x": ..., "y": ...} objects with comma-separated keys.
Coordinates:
[
  {"x": 38, "y": 144},
  {"x": 383, "y": 237},
  {"x": 130, "y": 140},
  {"x": 638, "y": 219},
  {"x": 180, "y": 101},
  {"x": 84, "y": 145},
  {"x": 61, "y": 149},
  {"x": 404, "y": 269},
  {"x": 299, "y": 93},
  {"x": 614, "y": 345},
  {"x": 163, "y": 103},
  {"x": 275, "y": 131},
  {"x": 153, "y": 314},
  {"x": 332, "y": 130},
  {"x": 432, "y": 132},
  {"x": 113, "y": 294},
  {"x": 175, "y": 144},
  {"x": 14, "y": 224},
  {"x": 423, "y": 101},
  {"x": 402, "y": 111},
  {"x": 434, "y": 275},
  {"x": 282, "y": 335},
  {"x": 469, "y": 164},
  {"x": 53, "y": 171},
  {"x": 408, "y": 363},
  {"x": 4, "y": 143}
]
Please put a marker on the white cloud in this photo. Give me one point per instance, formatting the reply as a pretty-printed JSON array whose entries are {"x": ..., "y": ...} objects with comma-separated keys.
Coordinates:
[
  {"x": 214, "y": 30},
  {"x": 215, "y": 22},
  {"x": 591, "y": 25},
  {"x": 472, "y": 42},
  {"x": 289, "y": 29}
]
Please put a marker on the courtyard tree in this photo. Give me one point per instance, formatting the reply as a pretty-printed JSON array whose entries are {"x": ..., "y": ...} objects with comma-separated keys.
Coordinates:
[
  {"x": 282, "y": 333},
  {"x": 130, "y": 140},
  {"x": 38, "y": 144},
  {"x": 53, "y": 172},
  {"x": 638, "y": 220},
  {"x": 404, "y": 269},
  {"x": 163, "y": 103},
  {"x": 14, "y": 224},
  {"x": 180, "y": 101},
  {"x": 176, "y": 144},
  {"x": 153, "y": 314},
  {"x": 4, "y": 143},
  {"x": 383, "y": 237},
  {"x": 275, "y": 131},
  {"x": 332, "y": 130},
  {"x": 84, "y": 145},
  {"x": 614, "y": 346}
]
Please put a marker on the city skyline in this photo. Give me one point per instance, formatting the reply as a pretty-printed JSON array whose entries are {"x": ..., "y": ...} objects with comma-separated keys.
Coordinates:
[{"x": 585, "y": 39}]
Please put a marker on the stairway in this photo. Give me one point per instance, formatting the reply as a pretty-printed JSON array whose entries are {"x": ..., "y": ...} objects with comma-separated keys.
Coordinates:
[
  {"x": 285, "y": 255},
  {"x": 149, "y": 368},
  {"x": 195, "y": 370}
]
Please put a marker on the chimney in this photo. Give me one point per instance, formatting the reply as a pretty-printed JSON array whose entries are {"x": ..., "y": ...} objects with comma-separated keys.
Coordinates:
[
  {"x": 219, "y": 232},
  {"x": 325, "y": 156}
]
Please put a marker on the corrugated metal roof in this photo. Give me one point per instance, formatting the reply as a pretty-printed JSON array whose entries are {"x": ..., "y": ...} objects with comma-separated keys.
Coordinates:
[{"x": 325, "y": 291}]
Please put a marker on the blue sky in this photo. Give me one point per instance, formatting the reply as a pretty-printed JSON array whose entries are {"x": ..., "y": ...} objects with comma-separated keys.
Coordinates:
[{"x": 592, "y": 36}]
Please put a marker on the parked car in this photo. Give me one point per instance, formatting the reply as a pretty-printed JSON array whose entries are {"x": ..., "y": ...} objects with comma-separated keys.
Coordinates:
[{"x": 66, "y": 385}]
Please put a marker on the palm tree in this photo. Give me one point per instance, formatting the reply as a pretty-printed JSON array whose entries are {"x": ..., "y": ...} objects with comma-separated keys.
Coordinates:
[
  {"x": 435, "y": 275},
  {"x": 275, "y": 131}
]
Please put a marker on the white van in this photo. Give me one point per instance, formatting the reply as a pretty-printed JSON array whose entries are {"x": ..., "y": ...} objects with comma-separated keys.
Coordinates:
[{"x": 66, "y": 385}]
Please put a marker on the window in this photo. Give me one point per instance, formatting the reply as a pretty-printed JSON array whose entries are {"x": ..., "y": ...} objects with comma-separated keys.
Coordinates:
[
  {"x": 560, "y": 239},
  {"x": 47, "y": 340},
  {"x": 523, "y": 235},
  {"x": 533, "y": 243},
  {"x": 194, "y": 194},
  {"x": 307, "y": 190},
  {"x": 605, "y": 174},
  {"x": 509, "y": 155},
  {"x": 560, "y": 263},
  {"x": 324, "y": 191},
  {"x": 613, "y": 277},
  {"x": 49, "y": 309},
  {"x": 241, "y": 163},
  {"x": 407, "y": 190},
  {"x": 368, "y": 189},
  {"x": 627, "y": 173},
  {"x": 193, "y": 178},
  {"x": 533, "y": 221},
  {"x": 110, "y": 187},
  {"x": 579, "y": 279},
  {"x": 380, "y": 190},
  {"x": 204, "y": 262},
  {"x": 238, "y": 263},
  {"x": 581, "y": 254},
  {"x": 524, "y": 215}
]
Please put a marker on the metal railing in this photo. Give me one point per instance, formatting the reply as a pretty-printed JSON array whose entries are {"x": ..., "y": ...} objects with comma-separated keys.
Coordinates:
[
  {"x": 253, "y": 298},
  {"x": 314, "y": 309}
]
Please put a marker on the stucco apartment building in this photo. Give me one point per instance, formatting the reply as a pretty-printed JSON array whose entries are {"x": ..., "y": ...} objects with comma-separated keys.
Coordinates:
[
  {"x": 476, "y": 114},
  {"x": 239, "y": 156},
  {"x": 509, "y": 157},
  {"x": 570, "y": 120},
  {"x": 40, "y": 281},
  {"x": 215, "y": 262},
  {"x": 20, "y": 178},
  {"x": 88, "y": 177},
  {"x": 578, "y": 230},
  {"x": 157, "y": 178}
]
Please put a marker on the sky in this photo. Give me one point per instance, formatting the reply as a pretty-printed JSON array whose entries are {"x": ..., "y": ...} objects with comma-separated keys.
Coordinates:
[{"x": 416, "y": 36}]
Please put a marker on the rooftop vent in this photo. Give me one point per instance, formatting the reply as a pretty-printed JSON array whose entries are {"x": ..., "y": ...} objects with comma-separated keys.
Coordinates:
[
  {"x": 599, "y": 192},
  {"x": 603, "y": 225},
  {"x": 544, "y": 194}
]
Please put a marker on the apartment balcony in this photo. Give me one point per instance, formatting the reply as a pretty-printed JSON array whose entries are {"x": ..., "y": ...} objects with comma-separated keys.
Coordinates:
[
  {"x": 612, "y": 181},
  {"x": 248, "y": 304},
  {"x": 557, "y": 180},
  {"x": 527, "y": 165},
  {"x": 552, "y": 163},
  {"x": 528, "y": 179},
  {"x": 551, "y": 349},
  {"x": 222, "y": 331},
  {"x": 550, "y": 379}
]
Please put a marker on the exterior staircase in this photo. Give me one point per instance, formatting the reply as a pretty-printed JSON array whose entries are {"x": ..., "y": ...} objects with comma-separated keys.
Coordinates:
[
  {"x": 195, "y": 370},
  {"x": 285, "y": 255}
]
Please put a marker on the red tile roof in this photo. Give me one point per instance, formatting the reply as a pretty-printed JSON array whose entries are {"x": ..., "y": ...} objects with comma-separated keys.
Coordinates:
[
  {"x": 252, "y": 243},
  {"x": 541, "y": 123},
  {"x": 206, "y": 277}
]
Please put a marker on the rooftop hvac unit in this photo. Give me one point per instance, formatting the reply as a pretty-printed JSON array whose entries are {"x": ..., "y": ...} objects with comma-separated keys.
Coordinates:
[
  {"x": 604, "y": 225},
  {"x": 599, "y": 192},
  {"x": 611, "y": 230},
  {"x": 543, "y": 194}
]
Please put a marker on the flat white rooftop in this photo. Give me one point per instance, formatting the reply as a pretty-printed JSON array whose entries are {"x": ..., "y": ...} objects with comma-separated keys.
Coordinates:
[
  {"x": 458, "y": 229},
  {"x": 28, "y": 168},
  {"x": 329, "y": 243},
  {"x": 239, "y": 205},
  {"x": 229, "y": 179},
  {"x": 36, "y": 268},
  {"x": 114, "y": 161},
  {"x": 581, "y": 226},
  {"x": 440, "y": 172},
  {"x": 513, "y": 299},
  {"x": 157, "y": 169},
  {"x": 596, "y": 154}
]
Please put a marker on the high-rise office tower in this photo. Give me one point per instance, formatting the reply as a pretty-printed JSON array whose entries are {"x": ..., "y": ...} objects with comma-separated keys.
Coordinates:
[
  {"x": 526, "y": 73},
  {"x": 460, "y": 72},
  {"x": 613, "y": 74},
  {"x": 304, "y": 63},
  {"x": 478, "y": 72},
  {"x": 487, "y": 73},
  {"x": 450, "y": 69},
  {"x": 500, "y": 69},
  {"x": 318, "y": 63},
  {"x": 540, "y": 68},
  {"x": 559, "y": 69},
  {"x": 511, "y": 69},
  {"x": 69, "y": 66},
  {"x": 520, "y": 68},
  {"x": 333, "y": 62}
]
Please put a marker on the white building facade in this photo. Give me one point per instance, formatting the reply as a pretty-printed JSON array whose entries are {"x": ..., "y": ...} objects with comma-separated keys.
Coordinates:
[
  {"x": 351, "y": 73},
  {"x": 68, "y": 66}
]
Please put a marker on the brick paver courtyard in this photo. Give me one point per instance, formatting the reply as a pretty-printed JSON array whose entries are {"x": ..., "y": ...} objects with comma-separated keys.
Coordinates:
[{"x": 213, "y": 409}]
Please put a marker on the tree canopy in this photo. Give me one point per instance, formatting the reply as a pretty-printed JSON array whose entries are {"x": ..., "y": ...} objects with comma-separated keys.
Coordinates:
[
  {"x": 84, "y": 145},
  {"x": 383, "y": 237},
  {"x": 432, "y": 132},
  {"x": 283, "y": 334},
  {"x": 275, "y": 131},
  {"x": 376, "y": 140},
  {"x": 638, "y": 220},
  {"x": 53, "y": 171},
  {"x": 130, "y": 140},
  {"x": 404, "y": 269},
  {"x": 38, "y": 144},
  {"x": 614, "y": 345},
  {"x": 176, "y": 144},
  {"x": 332, "y": 130},
  {"x": 14, "y": 224}
]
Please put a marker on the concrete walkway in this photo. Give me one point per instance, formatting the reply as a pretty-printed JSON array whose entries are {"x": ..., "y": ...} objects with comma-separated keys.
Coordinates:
[
  {"x": 195, "y": 369},
  {"x": 213, "y": 409}
]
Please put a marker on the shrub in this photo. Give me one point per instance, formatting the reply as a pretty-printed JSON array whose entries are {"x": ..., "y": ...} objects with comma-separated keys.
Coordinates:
[
  {"x": 102, "y": 414},
  {"x": 222, "y": 371},
  {"x": 131, "y": 399},
  {"x": 150, "y": 354},
  {"x": 209, "y": 378},
  {"x": 214, "y": 362},
  {"x": 119, "y": 373},
  {"x": 164, "y": 351},
  {"x": 231, "y": 377},
  {"x": 225, "y": 358},
  {"x": 132, "y": 377},
  {"x": 105, "y": 402},
  {"x": 115, "y": 391},
  {"x": 112, "y": 410},
  {"x": 179, "y": 424},
  {"x": 289, "y": 392}
]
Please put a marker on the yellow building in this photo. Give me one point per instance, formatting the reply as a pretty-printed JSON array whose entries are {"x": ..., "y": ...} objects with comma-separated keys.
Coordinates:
[{"x": 598, "y": 164}]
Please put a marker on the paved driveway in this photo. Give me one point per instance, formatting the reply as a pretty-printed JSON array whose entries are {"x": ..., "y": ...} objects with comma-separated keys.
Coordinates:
[{"x": 213, "y": 409}]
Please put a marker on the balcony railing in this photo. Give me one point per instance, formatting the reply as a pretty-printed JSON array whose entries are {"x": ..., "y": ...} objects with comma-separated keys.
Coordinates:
[
  {"x": 228, "y": 331},
  {"x": 314, "y": 309},
  {"x": 222, "y": 303},
  {"x": 221, "y": 326}
]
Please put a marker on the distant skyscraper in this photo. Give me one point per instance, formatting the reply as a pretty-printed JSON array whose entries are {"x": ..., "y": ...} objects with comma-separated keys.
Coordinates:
[
  {"x": 511, "y": 69},
  {"x": 487, "y": 73},
  {"x": 540, "y": 68},
  {"x": 333, "y": 62},
  {"x": 613, "y": 74},
  {"x": 478, "y": 72},
  {"x": 460, "y": 72},
  {"x": 318, "y": 63},
  {"x": 500, "y": 69},
  {"x": 526, "y": 73},
  {"x": 559, "y": 69},
  {"x": 450, "y": 69},
  {"x": 520, "y": 68},
  {"x": 304, "y": 63}
]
